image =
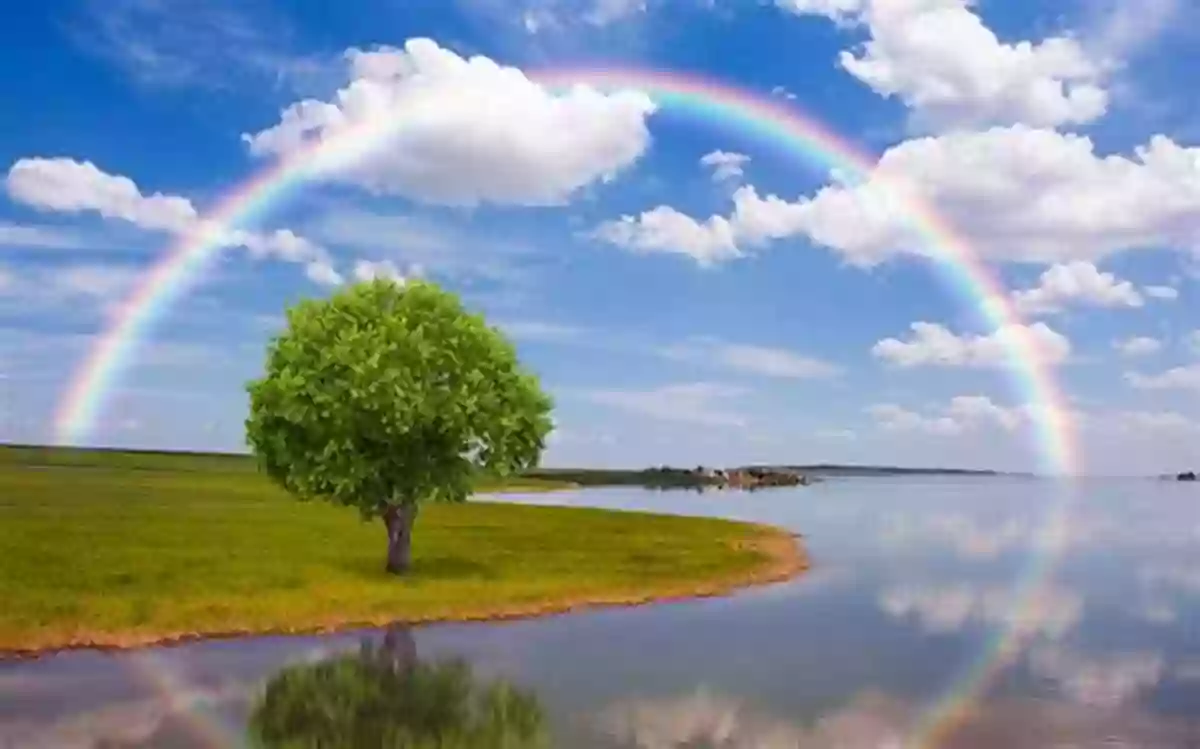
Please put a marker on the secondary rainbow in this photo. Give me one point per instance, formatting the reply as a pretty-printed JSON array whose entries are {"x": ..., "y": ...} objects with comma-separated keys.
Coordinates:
[{"x": 774, "y": 124}]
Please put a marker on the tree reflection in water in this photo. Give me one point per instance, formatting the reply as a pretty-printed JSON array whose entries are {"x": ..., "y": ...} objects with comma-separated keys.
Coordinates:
[{"x": 384, "y": 696}]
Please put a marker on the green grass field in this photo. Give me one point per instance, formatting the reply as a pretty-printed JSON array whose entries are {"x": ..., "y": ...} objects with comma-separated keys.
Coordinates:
[{"x": 130, "y": 548}]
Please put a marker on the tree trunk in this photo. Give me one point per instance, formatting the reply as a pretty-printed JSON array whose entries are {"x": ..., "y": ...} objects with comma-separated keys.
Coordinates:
[
  {"x": 400, "y": 646},
  {"x": 399, "y": 522}
]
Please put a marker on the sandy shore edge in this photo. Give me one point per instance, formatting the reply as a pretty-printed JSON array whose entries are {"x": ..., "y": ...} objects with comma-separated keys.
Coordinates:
[{"x": 783, "y": 559}]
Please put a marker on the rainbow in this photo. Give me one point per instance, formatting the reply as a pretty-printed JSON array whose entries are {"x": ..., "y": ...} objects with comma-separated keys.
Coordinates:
[{"x": 775, "y": 124}]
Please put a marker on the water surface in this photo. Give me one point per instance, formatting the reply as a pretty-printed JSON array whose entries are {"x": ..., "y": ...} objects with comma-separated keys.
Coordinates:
[{"x": 915, "y": 583}]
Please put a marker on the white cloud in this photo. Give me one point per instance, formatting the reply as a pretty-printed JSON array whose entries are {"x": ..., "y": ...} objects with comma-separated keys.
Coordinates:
[
  {"x": 448, "y": 247},
  {"x": 772, "y": 362},
  {"x": 755, "y": 222},
  {"x": 961, "y": 414},
  {"x": 952, "y": 71},
  {"x": 696, "y": 402},
  {"x": 767, "y": 361},
  {"x": 783, "y": 93},
  {"x": 1138, "y": 346},
  {"x": 725, "y": 165},
  {"x": 323, "y": 273},
  {"x": 1077, "y": 282},
  {"x": 604, "y": 12},
  {"x": 124, "y": 722},
  {"x": 1161, "y": 292},
  {"x": 935, "y": 345},
  {"x": 838, "y": 10},
  {"x": 65, "y": 185},
  {"x": 1186, "y": 377},
  {"x": 897, "y": 418},
  {"x": 1014, "y": 194},
  {"x": 1105, "y": 681},
  {"x": 1121, "y": 28},
  {"x": 970, "y": 538},
  {"x": 69, "y": 186},
  {"x": 877, "y": 720},
  {"x": 367, "y": 270},
  {"x": 466, "y": 130},
  {"x": 664, "y": 229},
  {"x": 538, "y": 330},
  {"x": 1049, "y": 612},
  {"x": 540, "y": 16}
]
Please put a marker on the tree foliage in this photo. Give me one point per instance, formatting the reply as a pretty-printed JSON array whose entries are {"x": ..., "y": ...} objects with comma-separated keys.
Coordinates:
[
  {"x": 386, "y": 395},
  {"x": 381, "y": 698}
]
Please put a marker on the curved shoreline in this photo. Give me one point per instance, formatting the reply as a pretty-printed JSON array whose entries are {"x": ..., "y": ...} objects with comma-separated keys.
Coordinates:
[{"x": 783, "y": 559}]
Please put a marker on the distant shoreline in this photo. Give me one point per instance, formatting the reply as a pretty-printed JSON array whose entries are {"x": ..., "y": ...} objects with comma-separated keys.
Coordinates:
[{"x": 67, "y": 456}]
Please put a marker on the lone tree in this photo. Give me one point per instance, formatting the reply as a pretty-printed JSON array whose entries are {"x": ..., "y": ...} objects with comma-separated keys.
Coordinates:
[
  {"x": 385, "y": 396},
  {"x": 384, "y": 696}
]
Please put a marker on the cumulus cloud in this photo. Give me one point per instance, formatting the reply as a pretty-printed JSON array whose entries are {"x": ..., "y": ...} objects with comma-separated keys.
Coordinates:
[
  {"x": 64, "y": 185},
  {"x": 467, "y": 130},
  {"x": 1185, "y": 377},
  {"x": 1012, "y": 193},
  {"x": 969, "y": 537},
  {"x": 68, "y": 186},
  {"x": 367, "y": 270},
  {"x": 1138, "y": 346},
  {"x": 952, "y": 71},
  {"x": 133, "y": 722},
  {"x": 1048, "y": 612},
  {"x": 963, "y": 413},
  {"x": 705, "y": 718},
  {"x": 666, "y": 230},
  {"x": 694, "y": 402},
  {"x": 1017, "y": 193},
  {"x": 322, "y": 272},
  {"x": 933, "y": 345},
  {"x": 875, "y": 719},
  {"x": 725, "y": 165},
  {"x": 1103, "y": 681},
  {"x": 1076, "y": 283}
]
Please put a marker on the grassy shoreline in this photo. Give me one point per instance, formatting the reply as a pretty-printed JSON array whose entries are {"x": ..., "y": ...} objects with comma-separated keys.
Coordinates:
[{"x": 111, "y": 557}]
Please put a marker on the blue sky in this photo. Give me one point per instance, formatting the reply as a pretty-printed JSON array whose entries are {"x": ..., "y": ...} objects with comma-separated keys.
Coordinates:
[{"x": 688, "y": 293}]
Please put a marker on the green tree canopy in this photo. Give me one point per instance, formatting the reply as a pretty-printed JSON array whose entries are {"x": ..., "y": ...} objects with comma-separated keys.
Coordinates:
[
  {"x": 384, "y": 697},
  {"x": 385, "y": 396}
]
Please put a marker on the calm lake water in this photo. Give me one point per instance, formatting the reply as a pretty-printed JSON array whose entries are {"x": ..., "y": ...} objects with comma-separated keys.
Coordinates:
[{"x": 939, "y": 612}]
